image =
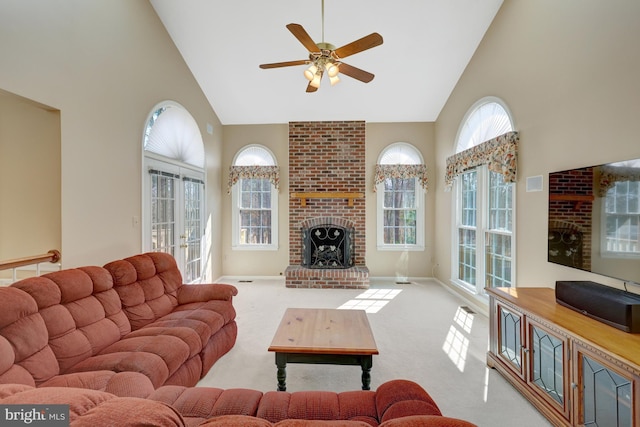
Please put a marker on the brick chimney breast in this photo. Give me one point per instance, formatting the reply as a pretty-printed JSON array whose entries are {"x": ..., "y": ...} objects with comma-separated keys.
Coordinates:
[{"x": 327, "y": 157}]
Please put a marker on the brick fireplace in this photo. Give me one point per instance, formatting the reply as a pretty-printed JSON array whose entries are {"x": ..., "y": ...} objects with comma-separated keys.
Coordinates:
[{"x": 327, "y": 191}]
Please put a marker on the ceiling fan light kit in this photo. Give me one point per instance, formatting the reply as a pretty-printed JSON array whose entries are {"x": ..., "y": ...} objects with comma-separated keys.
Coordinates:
[{"x": 325, "y": 57}]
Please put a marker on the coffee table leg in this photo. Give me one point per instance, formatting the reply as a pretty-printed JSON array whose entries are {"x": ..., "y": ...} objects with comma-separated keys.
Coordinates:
[
  {"x": 281, "y": 363},
  {"x": 366, "y": 363}
]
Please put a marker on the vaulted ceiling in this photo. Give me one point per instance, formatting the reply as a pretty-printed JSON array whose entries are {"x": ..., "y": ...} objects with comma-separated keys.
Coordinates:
[{"x": 427, "y": 45}]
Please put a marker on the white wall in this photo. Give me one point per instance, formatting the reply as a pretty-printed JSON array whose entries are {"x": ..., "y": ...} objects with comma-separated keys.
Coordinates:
[
  {"x": 569, "y": 72},
  {"x": 400, "y": 264},
  {"x": 256, "y": 263},
  {"x": 104, "y": 65}
]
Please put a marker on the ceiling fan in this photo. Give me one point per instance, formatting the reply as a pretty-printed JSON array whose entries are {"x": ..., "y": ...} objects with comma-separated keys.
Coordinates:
[{"x": 324, "y": 57}]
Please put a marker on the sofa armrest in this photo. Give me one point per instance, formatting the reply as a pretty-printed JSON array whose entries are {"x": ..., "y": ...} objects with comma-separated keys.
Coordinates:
[
  {"x": 402, "y": 398},
  {"x": 206, "y": 292}
]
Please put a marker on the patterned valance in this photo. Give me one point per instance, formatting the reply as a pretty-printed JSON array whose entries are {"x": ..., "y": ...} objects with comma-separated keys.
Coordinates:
[
  {"x": 499, "y": 153},
  {"x": 609, "y": 175},
  {"x": 401, "y": 171},
  {"x": 272, "y": 173}
]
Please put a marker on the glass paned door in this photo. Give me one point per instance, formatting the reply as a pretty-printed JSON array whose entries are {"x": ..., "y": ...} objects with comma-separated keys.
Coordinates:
[
  {"x": 510, "y": 331},
  {"x": 174, "y": 220},
  {"x": 191, "y": 239},
  {"x": 162, "y": 207},
  {"x": 607, "y": 397},
  {"x": 547, "y": 368}
]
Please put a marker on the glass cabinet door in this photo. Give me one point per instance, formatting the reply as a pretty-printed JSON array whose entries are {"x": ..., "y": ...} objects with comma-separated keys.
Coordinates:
[
  {"x": 547, "y": 355},
  {"x": 605, "y": 396},
  {"x": 510, "y": 330}
]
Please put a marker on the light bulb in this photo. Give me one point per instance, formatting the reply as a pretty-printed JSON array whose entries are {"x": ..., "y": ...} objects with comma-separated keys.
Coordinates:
[
  {"x": 310, "y": 72},
  {"x": 316, "y": 80},
  {"x": 334, "y": 80},
  {"x": 332, "y": 69}
]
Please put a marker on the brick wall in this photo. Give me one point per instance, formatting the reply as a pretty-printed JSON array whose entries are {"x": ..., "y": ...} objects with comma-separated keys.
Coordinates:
[{"x": 326, "y": 156}]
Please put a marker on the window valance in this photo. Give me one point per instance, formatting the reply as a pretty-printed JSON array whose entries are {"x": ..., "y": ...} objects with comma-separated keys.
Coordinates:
[
  {"x": 499, "y": 153},
  {"x": 383, "y": 172},
  {"x": 609, "y": 175},
  {"x": 272, "y": 173}
]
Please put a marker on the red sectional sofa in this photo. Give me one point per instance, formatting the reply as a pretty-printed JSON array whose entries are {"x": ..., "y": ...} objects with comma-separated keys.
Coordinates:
[
  {"x": 129, "y": 335},
  {"x": 133, "y": 315},
  {"x": 397, "y": 403}
]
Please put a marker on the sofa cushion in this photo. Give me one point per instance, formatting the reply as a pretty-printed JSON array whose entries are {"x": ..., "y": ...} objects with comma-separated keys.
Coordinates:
[
  {"x": 222, "y": 307},
  {"x": 314, "y": 405},
  {"x": 188, "y": 333},
  {"x": 204, "y": 322},
  {"x": 82, "y": 312},
  {"x": 415, "y": 407},
  {"x": 94, "y": 408},
  {"x": 157, "y": 357},
  {"x": 26, "y": 357},
  {"x": 359, "y": 405},
  {"x": 235, "y": 420},
  {"x": 147, "y": 285},
  {"x": 122, "y": 384},
  {"x": 207, "y": 402},
  {"x": 320, "y": 423},
  {"x": 274, "y": 406},
  {"x": 427, "y": 421}
]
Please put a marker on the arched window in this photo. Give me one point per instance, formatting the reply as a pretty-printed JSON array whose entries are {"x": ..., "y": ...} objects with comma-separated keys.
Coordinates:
[
  {"x": 400, "y": 181},
  {"x": 253, "y": 184},
  {"x": 173, "y": 133},
  {"x": 485, "y": 120},
  {"x": 173, "y": 191},
  {"x": 484, "y": 237}
]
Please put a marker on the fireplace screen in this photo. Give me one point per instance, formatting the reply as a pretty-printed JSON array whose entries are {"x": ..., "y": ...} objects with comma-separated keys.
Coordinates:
[{"x": 327, "y": 246}]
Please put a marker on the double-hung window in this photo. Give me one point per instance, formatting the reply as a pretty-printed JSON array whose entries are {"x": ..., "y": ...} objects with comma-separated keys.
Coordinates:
[
  {"x": 400, "y": 185},
  {"x": 621, "y": 213},
  {"x": 484, "y": 231},
  {"x": 254, "y": 199}
]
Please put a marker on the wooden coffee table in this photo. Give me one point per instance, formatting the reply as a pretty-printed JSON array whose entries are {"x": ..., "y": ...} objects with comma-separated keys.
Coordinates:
[{"x": 324, "y": 336}]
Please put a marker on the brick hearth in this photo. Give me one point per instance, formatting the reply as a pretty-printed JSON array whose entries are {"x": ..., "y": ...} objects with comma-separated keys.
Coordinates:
[
  {"x": 343, "y": 278},
  {"x": 327, "y": 157}
]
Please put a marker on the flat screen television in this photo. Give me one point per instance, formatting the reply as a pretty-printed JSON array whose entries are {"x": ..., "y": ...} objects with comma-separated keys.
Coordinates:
[{"x": 594, "y": 219}]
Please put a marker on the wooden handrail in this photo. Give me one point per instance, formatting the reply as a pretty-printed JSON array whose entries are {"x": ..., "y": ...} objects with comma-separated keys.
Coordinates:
[{"x": 52, "y": 256}]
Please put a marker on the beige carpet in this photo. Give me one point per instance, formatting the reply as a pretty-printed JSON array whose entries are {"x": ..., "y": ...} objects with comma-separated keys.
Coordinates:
[{"x": 422, "y": 334}]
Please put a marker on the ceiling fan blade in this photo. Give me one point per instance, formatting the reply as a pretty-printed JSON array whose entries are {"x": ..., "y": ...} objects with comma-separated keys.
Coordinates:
[
  {"x": 284, "y": 64},
  {"x": 311, "y": 88},
  {"x": 300, "y": 33},
  {"x": 356, "y": 73},
  {"x": 366, "y": 42}
]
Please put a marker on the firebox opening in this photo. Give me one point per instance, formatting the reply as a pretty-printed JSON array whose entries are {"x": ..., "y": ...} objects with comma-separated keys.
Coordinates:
[{"x": 327, "y": 246}]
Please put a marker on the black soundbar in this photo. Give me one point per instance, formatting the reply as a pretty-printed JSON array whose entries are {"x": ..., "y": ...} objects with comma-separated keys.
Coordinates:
[{"x": 612, "y": 306}]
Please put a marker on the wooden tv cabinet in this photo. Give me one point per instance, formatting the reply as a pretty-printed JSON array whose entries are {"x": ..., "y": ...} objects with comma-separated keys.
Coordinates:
[{"x": 573, "y": 369}]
